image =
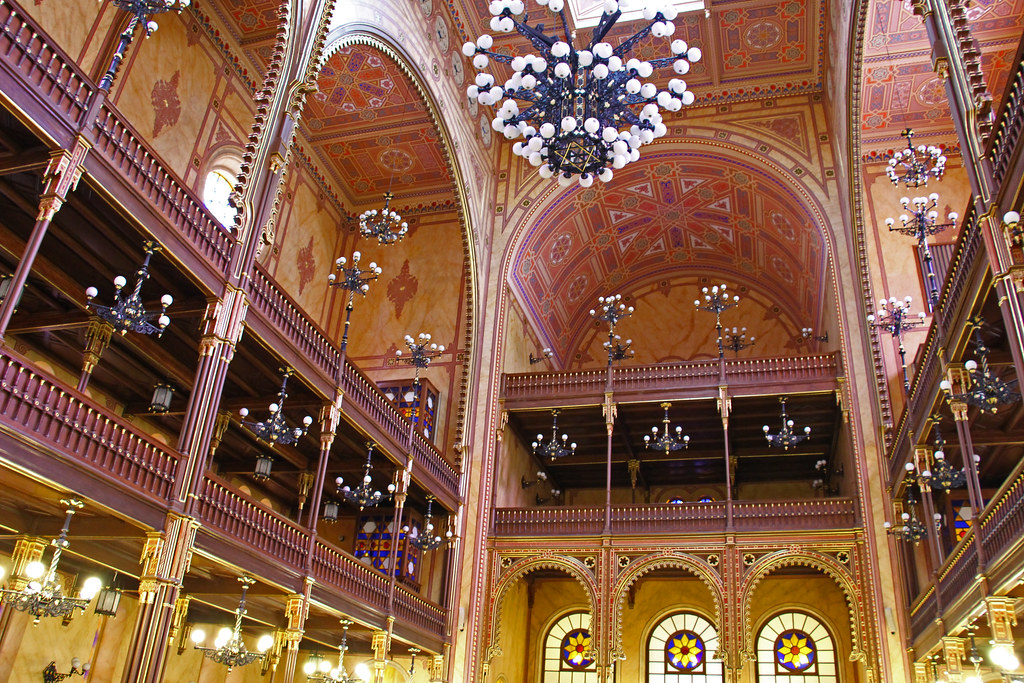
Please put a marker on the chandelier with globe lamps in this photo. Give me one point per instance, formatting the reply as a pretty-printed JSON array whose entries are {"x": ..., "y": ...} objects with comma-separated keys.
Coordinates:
[
  {"x": 141, "y": 10},
  {"x": 787, "y": 437},
  {"x": 553, "y": 448},
  {"x": 894, "y": 317},
  {"x": 666, "y": 441},
  {"x": 913, "y": 166},
  {"x": 364, "y": 494},
  {"x": 228, "y": 647},
  {"x": 384, "y": 225},
  {"x": 984, "y": 388},
  {"x": 582, "y": 108},
  {"x": 922, "y": 222}
]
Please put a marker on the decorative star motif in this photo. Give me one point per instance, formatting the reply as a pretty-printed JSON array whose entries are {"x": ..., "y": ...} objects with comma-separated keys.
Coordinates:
[
  {"x": 795, "y": 650},
  {"x": 576, "y": 649},
  {"x": 685, "y": 650}
]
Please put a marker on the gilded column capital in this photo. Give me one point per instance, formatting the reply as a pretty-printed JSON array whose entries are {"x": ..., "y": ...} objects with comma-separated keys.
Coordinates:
[{"x": 1001, "y": 618}]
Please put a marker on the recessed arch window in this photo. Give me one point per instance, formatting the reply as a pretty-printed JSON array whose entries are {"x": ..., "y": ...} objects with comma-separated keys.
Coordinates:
[
  {"x": 218, "y": 188},
  {"x": 682, "y": 649},
  {"x": 568, "y": 656},
  {"x": 794, "y": 647}
]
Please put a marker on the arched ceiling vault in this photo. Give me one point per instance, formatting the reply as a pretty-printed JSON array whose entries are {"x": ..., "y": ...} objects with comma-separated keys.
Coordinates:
[{"x": 674, "y": 219}]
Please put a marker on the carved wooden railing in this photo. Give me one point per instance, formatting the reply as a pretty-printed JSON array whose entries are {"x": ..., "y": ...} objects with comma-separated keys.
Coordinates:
[
  {"x": 923, "y": 612},
  {"x": 283, "y": 313},
  {"x": 1009, "y": 123},
  {"x": 224, "y": 508},
  {"x": 54, "y": 78},
  {"x": 118, "y": 143},
  {"x": 820, "y": 370},
  {"x": 748, "y": 516},
  {"x": 412, "y": 609},
  {"x": 960, "y": 570},
  {"x": 336, "y": 568},
  {"x": 62, "y": 420},
  {"x": 1002, "y": 524}
]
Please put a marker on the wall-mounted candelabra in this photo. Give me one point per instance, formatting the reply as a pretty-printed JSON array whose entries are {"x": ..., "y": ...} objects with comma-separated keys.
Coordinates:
[
  {"x": 274, "y": 430},
  {"x": 666, "y": 441},
  {"x": 51, "y": 675},
  {"x": 354, "y": 280},
  {"x": 128, "y": 313},
  {"x": 1011, "y": 224},
  {"x": 735, "y": 340},
  {"x": 894, "y": 317},
  {"x": 983, "y": 388},
  {"x": 787, "y": 437},
  {"x": 542, "y": 477},
  {"x": 717, "y": 301},
  {"x": 545, "y": 353},
  {"x": 807, "y": 333},
  {"x": 914, "y": 166},
  {"x": 386, "y": 226},
  {"x": 364, "y": 494},
  {"x": 554, "y": 497},
  {"x": 612, "y": 311},
  {"x": 554, "y": 448},
  {"x": 922, "y": 222}
]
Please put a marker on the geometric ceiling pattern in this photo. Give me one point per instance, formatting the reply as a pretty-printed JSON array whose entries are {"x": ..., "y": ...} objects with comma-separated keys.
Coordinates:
[
  {"x": 667, "y": 214},
  {"x": 751, "y": 48},
  {"x": 370, "y": 130},
  {"x": 900, "y": 87}
]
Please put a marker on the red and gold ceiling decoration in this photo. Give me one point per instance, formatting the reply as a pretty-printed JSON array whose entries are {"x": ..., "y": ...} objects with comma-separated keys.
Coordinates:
[{"x": 682, "y": 212}]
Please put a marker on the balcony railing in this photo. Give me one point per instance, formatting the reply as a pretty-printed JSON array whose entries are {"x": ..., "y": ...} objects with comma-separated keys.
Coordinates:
[
  {"x": 64, "y": 422},
  {"x": 816, "y": 373},
  {"x": 748, "y": 516},
  {"x": 1010, "y": 121},
  {"x": 53, "y": 79}
]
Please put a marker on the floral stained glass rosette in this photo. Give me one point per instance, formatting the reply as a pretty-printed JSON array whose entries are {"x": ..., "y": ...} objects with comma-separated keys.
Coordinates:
[
  {"x": 795, "y": 651},
  {"x": 576, "y": 649},
  {"x": 684, "y": 651}
]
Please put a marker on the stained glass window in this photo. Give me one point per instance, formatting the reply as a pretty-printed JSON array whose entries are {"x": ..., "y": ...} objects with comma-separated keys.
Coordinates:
[
  {"x": 567, "y": 651},
  {"x": 420, "y": 407},
  {"x": 682, "y": 648},
  {"x": 794, "y": 647},
  {"x": 961, "y": 517},
  {"x": 373, "y": 545}
]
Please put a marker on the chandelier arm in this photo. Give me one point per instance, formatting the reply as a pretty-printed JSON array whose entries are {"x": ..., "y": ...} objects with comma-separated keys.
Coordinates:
[
  {"x": 603, "y": 27},
  {"x": 628, "y": 44},
  {"x": 535, "y": 34}
]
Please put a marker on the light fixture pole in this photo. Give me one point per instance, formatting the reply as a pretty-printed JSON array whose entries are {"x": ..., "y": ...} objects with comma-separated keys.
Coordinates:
[
  {"x": 612, "y": 311},
  {"x": 141, "y": 10},
  {"x": 717, "y": 301},
  {"x": 922, "y": 222},
  {"x": 894, "y": 317},
  {"x": 354, "y": 280}
]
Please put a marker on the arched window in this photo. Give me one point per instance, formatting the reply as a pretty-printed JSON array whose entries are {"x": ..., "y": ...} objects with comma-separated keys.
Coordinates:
[
  {"x": 567, "y": 651},
  {"x": 794, "y": 647},
  {"x": 681, "y": 649},
  {"x": 219, "y": 186}
]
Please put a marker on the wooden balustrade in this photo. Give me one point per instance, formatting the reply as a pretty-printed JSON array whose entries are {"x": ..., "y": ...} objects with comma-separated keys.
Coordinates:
[
  {"x": 63, "y": 421},
  {"x": 1002, "y": 524},
  {"x": 816, "y": 372},
  {"x": 413, "y": 609},
  {"x": 365, "y": 395},
  {"x": 335, "y": 568},
  {"x": 748, "y": 516},
  {"x": 924, "y": 612},
  {"x": 120, "y": 146},
  {"x": 226, "y": 509},
  {"x": 46, "y": 73},
  {"x": 960, "y": 570},
  {"x": 1007, "y": 132},
  {"x": 428, "y": 458}
]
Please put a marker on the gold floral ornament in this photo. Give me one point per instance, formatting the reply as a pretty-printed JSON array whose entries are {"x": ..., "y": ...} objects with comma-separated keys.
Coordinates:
[
  {"x": 685, "y": 651},
  {"x": 795, "y": 651},
  {"x": 576, "y": 649}
]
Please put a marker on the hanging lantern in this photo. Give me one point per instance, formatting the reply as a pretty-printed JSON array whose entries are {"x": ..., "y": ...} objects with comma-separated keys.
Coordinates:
[
  {"x": 264, "y": 463},
  {"x": 161, "y": 401}
]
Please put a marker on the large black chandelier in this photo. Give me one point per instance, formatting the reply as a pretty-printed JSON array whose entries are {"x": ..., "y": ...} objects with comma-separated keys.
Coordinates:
[
  {"x": 364, "y": 495},
  {"x": 985, "y": 390},
  {"x": 922, "y": 222},
  {"x": 140, "y": 11},
  {"x": 943, "y": 475},
  {"x": 586, "y": 110},
  {"x": 385, "y": 226},
  {"x": 787, "y": 437},
  {"x": 554, "y": 448},
  {"x": 426, "y": 540},
  {"x": 894, "y": 317},
  {"x": 911, "y": 529},
  {"x": 274, "y": 430},
  {"x": 666, "y": 440},
  {"x": 913, "y": 166},
  {"x": 46, "y": 598},
  {"x": 228, "y": 647},
  {"x": 128, "y": 314}
]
